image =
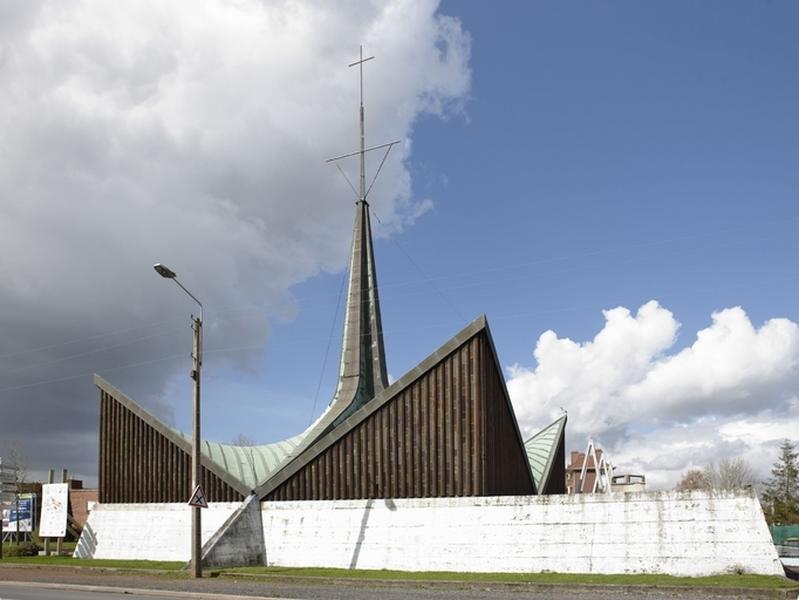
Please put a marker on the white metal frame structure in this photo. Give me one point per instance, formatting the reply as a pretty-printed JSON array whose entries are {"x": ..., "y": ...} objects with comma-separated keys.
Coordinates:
[{"x": 603, "y": 482}]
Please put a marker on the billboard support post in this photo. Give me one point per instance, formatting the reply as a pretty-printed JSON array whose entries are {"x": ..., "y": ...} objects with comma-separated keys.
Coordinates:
[
  {"x": 50, "y": 479},
  {"x": 16, "y": 507},
  {"x": 59, "y": 544}
]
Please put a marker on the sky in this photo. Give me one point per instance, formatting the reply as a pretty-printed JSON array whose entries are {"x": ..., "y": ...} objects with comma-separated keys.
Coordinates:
[{"x": 612, "y": 183}]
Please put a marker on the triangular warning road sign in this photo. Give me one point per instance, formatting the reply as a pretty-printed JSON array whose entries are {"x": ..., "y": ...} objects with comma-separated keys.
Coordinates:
[{"x": 198, "y": 498}]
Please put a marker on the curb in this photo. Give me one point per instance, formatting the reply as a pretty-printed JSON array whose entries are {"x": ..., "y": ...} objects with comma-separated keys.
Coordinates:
[
  {"x": 122, "y": 570},
  {"x": 138, "y": 591}
]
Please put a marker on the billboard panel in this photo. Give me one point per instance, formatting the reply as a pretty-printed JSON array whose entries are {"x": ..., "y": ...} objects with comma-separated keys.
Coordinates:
[
  {"x": 54, "y": 510},
  {"x": 25, "y": 516}
]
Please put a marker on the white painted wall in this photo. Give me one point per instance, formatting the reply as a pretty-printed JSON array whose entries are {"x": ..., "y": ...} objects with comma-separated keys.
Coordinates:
[
  {"x": 147, "y": 531},
  {"x": 680, "y": 533}
]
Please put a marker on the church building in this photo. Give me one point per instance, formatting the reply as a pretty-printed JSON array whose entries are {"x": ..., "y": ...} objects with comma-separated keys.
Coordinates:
[{"x": 446, "y": 428}]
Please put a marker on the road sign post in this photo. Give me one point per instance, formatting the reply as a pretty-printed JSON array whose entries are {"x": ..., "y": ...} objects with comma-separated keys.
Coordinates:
[{"x": 8, "y": 495}]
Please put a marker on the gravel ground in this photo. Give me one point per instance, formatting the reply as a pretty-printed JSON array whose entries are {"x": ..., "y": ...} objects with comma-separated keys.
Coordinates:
[{"x": 307, "y": 589}]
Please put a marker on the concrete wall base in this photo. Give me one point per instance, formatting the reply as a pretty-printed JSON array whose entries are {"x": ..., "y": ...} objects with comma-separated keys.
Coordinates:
[
  {"x": 678, "y": 533},
  {"x": 147, "y": 531},
  {"x": 240, "y": 540}
]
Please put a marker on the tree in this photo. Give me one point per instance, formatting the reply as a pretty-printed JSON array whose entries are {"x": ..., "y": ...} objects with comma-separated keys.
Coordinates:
[
  {"x": 15, "y": 459},
  {"x": 731, "y": 474},
  {"x": 781, "y": 496},
  {"x": 693, "y": 479},
  {"x": 241, "y": 440}
]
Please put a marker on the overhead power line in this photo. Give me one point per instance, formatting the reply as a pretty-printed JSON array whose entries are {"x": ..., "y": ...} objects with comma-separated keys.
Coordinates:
[
  {"x": 430, "y": 279},
  {"x": 424, "y": 327}
]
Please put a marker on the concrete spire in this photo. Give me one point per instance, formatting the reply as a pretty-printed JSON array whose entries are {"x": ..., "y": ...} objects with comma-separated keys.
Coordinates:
[{"x": 362, "y": 371}]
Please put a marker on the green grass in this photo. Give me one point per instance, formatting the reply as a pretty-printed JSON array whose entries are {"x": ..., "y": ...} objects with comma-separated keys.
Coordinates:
[
  {"x": 173, "y": 568},
  {"x": 162, "y": 565},
  {"x": 732, "y": 580}
]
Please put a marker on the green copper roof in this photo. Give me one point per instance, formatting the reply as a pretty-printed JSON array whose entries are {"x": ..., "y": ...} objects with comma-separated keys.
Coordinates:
[
  {"x": 362, "y": 371},
  {"x": 251, "y": 465},
  {"x": 541, "y": 449}
]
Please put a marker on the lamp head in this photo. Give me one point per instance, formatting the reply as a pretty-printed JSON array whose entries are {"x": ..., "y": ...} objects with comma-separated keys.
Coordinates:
[{"x": 164, "y": 271}]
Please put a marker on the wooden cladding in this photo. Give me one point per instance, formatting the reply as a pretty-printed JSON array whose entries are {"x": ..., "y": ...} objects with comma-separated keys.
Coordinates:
[
  {"x": 509, "y": 472},
  {"x": 140, "y": 464},
  {"x": 449, "y": 433}
]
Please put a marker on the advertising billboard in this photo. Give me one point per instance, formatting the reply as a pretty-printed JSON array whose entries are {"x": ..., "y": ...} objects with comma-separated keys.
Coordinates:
[
  {"x": 22, "y": 521},
  {"x": 54, "y": 510}
]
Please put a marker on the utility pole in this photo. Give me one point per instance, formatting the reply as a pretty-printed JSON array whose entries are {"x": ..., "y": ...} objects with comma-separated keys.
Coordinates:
[
  {"x": 197, "y": 499},
  {"x": 196, "y": 515}
]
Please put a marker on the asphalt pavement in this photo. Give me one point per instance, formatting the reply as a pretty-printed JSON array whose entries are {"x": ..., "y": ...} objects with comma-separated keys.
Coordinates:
[{"x": 59, "y": 592}]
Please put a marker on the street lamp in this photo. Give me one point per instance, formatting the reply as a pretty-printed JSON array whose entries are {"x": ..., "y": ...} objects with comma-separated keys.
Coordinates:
[{"x": 196, "y": 518}]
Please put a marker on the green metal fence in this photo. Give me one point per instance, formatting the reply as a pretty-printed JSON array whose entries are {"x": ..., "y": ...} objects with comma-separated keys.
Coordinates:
[{"x": 780, "y": 533}]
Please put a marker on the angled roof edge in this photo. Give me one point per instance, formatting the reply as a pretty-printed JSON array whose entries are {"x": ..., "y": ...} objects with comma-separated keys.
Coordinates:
[
  {"x": 170, "y": 434},
  {"x": 561, "y": 423},
  {"x": 320, "y": 445},
  {"x": 519, "y": 437}
]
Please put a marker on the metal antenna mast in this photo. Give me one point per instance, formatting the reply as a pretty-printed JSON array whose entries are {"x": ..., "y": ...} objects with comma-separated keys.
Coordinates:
[
  {"x": 363, "y": 134},
  {"x": 363, "y": 193}
]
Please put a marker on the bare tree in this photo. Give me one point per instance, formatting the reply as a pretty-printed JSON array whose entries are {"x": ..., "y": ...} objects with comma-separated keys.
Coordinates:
[
  {"x": 242, "y": 440},
  {"x": 731, "y": 474},
  {"x": 693, "y": 479},
  {"x": 14, "y": 458}
]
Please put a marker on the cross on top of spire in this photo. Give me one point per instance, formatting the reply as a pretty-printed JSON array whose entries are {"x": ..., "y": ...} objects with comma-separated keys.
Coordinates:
[
  {"x": 362, "y": 196},
  {"x": 360, "y": 68},
  {"x": 363, "y": 191}
]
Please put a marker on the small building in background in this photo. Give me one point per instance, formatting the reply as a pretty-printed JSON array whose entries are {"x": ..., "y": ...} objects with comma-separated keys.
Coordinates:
[
  {"x": 80, "y": 500},
  {"x": 575, "y": 467},
  {"x": 627, "y": 482}
]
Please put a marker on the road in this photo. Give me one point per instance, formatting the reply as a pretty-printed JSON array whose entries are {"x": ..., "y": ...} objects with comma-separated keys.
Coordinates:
[
  {"x": 59, "y": 584},
  {"x": 29, "y": 592}
]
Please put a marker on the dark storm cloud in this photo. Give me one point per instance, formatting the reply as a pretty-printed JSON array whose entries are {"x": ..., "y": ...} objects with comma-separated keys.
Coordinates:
[{"x": 135, "y": 132}]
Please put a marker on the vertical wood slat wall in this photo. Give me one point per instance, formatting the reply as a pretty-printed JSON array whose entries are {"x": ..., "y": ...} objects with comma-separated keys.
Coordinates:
[
  {"x": 504, "y": 458},
  {"x": 139, "y": 464},
  {"x": 449, "y": 433}
]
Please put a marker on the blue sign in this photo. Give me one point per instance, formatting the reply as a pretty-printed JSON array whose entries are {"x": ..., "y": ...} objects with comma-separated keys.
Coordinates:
[{"x": 25, "y": 515}]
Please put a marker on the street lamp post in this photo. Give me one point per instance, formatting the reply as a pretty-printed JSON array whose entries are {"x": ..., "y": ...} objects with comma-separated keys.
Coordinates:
[{"x": 196, "y": 517}]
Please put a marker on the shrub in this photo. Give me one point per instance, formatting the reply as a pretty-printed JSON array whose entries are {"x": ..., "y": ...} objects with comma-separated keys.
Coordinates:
[{"x": 21, "y": 550}]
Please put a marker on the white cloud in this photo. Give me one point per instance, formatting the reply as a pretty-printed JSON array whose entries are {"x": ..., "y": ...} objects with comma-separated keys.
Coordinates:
[
  {"x": 731, "y": 392},
  {"x": 193, "y": 133}
]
